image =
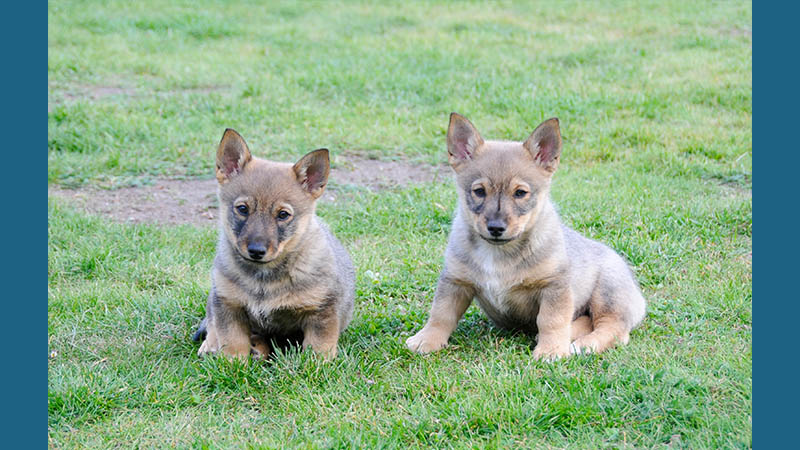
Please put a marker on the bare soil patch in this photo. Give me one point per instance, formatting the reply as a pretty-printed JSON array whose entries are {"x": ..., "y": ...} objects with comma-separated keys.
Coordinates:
[
  {"x": 71, "y": 93},
  {"x": 195, "y": 201}
]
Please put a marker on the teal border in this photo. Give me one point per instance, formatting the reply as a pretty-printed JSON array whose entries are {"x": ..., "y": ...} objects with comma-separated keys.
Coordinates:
[
  {"x": 777, "y": 230},
  {"x": 24, "y": 223}
]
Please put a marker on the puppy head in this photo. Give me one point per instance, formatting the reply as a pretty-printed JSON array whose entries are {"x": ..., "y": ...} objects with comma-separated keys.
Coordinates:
[
  {"x": 502, "y": 185},
  {"x": 265, "y": 206}
]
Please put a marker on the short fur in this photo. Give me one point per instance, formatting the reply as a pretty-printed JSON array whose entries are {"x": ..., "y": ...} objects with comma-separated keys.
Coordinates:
[
  {"x": 279, "y": 272},
  {"x": 510, "y": 251}
]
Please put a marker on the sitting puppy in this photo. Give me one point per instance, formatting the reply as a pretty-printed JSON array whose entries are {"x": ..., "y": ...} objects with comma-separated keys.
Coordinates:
[
  {"x": 279, "y": 272},
  {"x": 509, "y": 249}
]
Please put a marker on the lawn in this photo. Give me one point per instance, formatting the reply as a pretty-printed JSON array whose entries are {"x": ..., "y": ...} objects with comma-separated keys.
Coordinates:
[{"x": 654, "y": 100}]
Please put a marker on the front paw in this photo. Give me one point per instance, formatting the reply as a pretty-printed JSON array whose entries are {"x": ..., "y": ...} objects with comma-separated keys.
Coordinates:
[
  {"x": 585, "y": 345},
  {"x": 426, "y": 342},
  {"x": 328, "y": 354},
  {"x": 326, "y": 351},
  {"x": 551, "y": 352},
  {"x": 206, "y": 348},
  {"x": 230, "y": 352}
]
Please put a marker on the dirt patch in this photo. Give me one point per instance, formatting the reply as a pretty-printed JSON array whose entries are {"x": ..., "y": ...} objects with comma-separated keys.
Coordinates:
[
  {"x": 195, "y": 201},
  {"x": 72, "y": 93},
  {"x": 737, "y": 31},
  {"x": 98, "y": 92},
  {"x": 166, "y": 201},
  {"x": 377, "y": 174}
]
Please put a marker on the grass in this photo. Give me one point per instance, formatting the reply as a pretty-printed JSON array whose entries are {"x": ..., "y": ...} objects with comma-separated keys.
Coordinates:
[{"x": 655, "y": 105}]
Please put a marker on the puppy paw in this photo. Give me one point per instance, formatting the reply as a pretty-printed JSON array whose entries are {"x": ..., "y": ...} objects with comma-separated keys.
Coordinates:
[
  {"x": 426, "y": 342},
  {"x": 327, "y": 353},
  {"x": 583, "y": 346},
  {"x": 551, "y": 352},
  {"x": 576, "y": 349},
  {"x": 205, "y": 349}
]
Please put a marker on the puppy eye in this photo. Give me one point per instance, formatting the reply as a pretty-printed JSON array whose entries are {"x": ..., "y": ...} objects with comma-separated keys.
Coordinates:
[
  {"x": 243, "y": 209},
  {"x": 479, "y": 192},
  {"x": 283, "y": 215},
  {"x": 519, "y": 193}
]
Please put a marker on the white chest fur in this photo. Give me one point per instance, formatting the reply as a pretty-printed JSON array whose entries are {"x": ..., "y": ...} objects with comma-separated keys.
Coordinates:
[{"x": 493, "y": 280}]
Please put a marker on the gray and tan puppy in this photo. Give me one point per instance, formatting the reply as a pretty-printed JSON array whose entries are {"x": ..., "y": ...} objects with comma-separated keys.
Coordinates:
[
  {"x": 279, "y": 272},
  {"x": 510, "y": 251}
]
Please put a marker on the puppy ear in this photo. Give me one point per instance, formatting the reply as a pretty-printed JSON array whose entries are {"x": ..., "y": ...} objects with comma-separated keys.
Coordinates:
[
  {"x": 232, "y": 155},
  {"x": 544, "y": 145},
  {"x": 312, "y": 171},
  {"x": 463, "y": 140}
]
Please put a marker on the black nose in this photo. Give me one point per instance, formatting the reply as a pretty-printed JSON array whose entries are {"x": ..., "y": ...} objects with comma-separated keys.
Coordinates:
[
  {"x": 496, "y": 227},
  {"x": 256, "y": 251}
]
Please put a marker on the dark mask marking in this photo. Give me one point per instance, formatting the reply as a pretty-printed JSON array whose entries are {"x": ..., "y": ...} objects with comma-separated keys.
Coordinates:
[
  {"x": 476, "y": 206},
  {"x": 525, "y": 207},
  {"x": 236, "y": 222}
]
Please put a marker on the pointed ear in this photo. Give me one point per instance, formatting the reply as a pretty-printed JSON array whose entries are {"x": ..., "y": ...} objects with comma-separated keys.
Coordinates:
[
  {"x": 232, "y": 155},
  {"x": 463, "y": 140},
  {"x": 544, "y": 145},
  {"x": 312, "y": 171}
]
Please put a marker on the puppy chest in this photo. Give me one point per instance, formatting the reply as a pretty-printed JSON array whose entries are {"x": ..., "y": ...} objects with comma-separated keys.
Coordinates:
[
  {"x": 493, "y": 284},
  {"x": 282, "y": 311},
  {"x": 274, "y": 321},
  {"x": 505, "y": 301},
  {"x": 494, "y": 293}
]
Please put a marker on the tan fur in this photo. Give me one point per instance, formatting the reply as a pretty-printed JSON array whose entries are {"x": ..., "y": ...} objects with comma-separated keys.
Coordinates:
[
  {"x": 510, "y": 251},
  {"x": 580, "y": 327},
  {"x": 274, "y": 276}
]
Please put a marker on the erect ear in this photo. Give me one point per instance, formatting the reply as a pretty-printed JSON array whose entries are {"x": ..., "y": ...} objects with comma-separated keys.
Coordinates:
[
  {"x": 463, "y": 140},
  {"x": 312, "y": 171},
  {"x": 232, "y": 155},
  {"x": 544, "y": 145}
]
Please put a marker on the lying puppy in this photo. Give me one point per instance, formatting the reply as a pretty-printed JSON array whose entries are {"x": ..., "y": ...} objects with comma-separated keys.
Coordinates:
[
  {"x": 509, "y": 249},
  {"x": 279, "y": 271}
]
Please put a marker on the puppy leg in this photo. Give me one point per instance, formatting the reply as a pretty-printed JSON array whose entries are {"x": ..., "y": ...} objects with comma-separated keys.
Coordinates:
[
  {"x": 210, "y": 343},
  {"x": 232, "y": 330},
  {"x": 207, "y": 331},
  {"x": 609, "y": 310},
  {"x": 580, "y": 327},
  {"x": 321, "y": 333},
  {"x": 449, "y": 304},
  {"x": 616, "y": 306},
  {"x": 608, "y": 330},
  {"x": 554, "y": 322}
]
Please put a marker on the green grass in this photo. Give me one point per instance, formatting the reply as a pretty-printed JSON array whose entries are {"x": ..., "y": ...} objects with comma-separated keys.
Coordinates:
[{"x": 655, "y": 106}]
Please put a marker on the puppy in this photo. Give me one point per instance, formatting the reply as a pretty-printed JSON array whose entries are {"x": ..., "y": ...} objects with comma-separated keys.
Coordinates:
[
  {"x": 279, "y": 272},
  {"x": 510, "y": 251}
]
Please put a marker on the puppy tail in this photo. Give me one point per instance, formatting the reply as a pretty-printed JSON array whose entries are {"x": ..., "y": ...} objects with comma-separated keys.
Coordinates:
[{"x": 201, "y": 332}]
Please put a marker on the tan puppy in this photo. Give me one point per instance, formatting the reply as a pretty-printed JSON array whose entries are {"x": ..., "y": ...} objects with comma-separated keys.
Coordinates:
[
  {"x": 279, "y": 272},
  {"x": 509, "y": 249}
]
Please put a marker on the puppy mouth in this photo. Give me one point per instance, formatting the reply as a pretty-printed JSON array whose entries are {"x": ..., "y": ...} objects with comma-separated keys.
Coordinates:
[
  {"x": 257, "y": 261},
  {"x": 496, "y": 241}
]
